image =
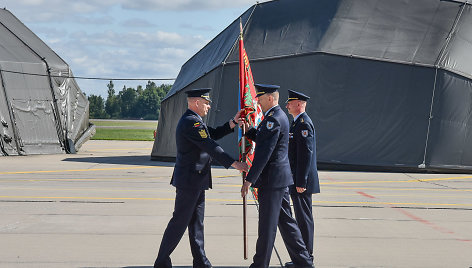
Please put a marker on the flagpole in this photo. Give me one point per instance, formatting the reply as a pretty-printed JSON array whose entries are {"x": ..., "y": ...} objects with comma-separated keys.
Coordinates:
[
  {"x": 243, "y": 140},
  {"x": 243, "y": 146}
]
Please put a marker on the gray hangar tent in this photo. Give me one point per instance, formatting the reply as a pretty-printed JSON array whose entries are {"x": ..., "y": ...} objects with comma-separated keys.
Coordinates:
[
  {"x": 390, "y": 80},
  {"x": 42, "y": 110}
]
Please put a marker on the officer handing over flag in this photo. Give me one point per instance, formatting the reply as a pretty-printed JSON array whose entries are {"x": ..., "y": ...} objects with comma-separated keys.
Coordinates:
[{"x": 196, "y": 147}]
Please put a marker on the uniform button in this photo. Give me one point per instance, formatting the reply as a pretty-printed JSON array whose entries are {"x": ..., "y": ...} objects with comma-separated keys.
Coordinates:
[{"x": 199, "y": 172}]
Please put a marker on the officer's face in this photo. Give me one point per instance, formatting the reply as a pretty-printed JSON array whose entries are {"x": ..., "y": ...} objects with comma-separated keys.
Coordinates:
[
  {"x": 263, "y": 101},
  {"x": 291, "y": 105},
  {"x": 295, "y": 107},
  {"x": 203, "y": 107}
]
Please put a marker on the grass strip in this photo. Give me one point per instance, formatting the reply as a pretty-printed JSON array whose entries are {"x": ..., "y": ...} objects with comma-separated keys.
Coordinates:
[{"x": 124, "y": 134}]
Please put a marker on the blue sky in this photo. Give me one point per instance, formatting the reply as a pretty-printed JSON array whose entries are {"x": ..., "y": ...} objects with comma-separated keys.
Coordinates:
[{"x": 126, "y": 38}]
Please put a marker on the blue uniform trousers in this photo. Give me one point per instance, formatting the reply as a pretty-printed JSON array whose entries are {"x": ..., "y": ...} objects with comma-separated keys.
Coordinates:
[
  {"x": 274, "y": 209},
  {"x": 188, "y": 213},
  {"x": 302, "y": 207}
]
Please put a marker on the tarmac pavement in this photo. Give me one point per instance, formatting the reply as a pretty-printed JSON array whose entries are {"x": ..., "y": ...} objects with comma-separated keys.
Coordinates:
[{"x": 108, "y": 206}]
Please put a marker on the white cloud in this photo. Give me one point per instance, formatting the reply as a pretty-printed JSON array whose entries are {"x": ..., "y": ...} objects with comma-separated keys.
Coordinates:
[
  {"x": 126, "y": 55},
  {"x": 184, "y": 4},
  {"x": 98, "y": 38},
  {"x": 92, "y": 20},
  {"x": 137, "y": 23}
]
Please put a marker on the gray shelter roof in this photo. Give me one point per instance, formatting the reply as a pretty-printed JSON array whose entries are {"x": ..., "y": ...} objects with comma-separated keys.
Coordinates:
[
  {"x": 390, "y": 81},
  {"x": 42, "y": 110}
]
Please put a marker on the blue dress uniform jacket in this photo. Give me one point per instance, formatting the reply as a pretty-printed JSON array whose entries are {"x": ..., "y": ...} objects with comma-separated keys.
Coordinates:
[
  {"x": 270, "y": 173},
  {"x": 192, "y": 176},
  {"x": 196, "y": 147},
  {"x": 302, "y": 155},
  {"x": 270, "y": 167}
]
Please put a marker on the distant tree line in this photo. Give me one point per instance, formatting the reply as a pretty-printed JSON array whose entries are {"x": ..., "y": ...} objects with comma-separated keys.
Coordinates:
[{"x": 129, "y": 103}]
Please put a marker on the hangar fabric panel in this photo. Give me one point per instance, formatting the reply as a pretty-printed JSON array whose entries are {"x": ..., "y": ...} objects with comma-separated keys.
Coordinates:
[
  {"x": 390, "y": 81},
  {"x": 42, "y": 110}
]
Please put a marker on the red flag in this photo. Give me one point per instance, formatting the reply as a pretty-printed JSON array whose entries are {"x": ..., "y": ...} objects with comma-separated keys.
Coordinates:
[{"x": 247, "y": 97}]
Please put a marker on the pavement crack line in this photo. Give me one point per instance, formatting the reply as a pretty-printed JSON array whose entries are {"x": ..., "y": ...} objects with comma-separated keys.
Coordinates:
[{"x": 429, "y": 182}]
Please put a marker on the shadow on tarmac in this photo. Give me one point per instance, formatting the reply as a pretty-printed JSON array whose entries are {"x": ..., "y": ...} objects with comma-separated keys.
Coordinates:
[{"x": 139, "y": 160}]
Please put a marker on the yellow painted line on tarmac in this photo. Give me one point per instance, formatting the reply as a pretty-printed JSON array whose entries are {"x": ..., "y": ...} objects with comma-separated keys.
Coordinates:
[
  {"x": 87, "y": 198},
  {"x": 377, "y": 181},
  {"x": 95, "y": 189},
  {"x": 390, "y": 181},
  {"x": 392, "y": 203},
  {"x": 114, "y": 198},
  {"x": 231, "y": 200},
  {"x": 75, "y": 170},
  {"x": 100, "y": 179},
  {"x": 120, "y": 149},
  {"x": 415, "y": 195},
  {"x": 398, "y": 189},
  {"x": 77, "y": 179},
  {"x": 89, "y": 179}
]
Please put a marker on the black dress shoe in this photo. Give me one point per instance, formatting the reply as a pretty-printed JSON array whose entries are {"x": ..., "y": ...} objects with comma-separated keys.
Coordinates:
[{"x": 292, "y": 265}]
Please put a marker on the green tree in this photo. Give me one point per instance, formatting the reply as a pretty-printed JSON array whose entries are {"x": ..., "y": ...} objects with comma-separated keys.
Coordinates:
[
  {"x": 96, "y": 106},
  {"x": 149, "y": 102},
  {"x": 112, "y": 104},
  {"x": 128, "y": 98}
]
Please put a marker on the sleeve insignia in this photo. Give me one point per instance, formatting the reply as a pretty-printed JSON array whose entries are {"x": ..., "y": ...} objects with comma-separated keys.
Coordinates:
[
  {"x": 305, "y": 133},
  {"x": 270, "y": 125},
  {"x": 203, "y": 133}
]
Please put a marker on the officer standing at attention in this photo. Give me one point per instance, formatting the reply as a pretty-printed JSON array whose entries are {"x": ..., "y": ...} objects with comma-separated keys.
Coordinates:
[
  {"x": 302, "y": 156},
  {"x": 196, "y": 147},
  {"x": 270, "y": 173}
]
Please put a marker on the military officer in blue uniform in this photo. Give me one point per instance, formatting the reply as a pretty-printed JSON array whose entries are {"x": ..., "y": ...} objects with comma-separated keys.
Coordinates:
[
  {"x": 196, "y": 147},
  {"x": 270, "y": 173},
  {"x": 302, "y": 156}
]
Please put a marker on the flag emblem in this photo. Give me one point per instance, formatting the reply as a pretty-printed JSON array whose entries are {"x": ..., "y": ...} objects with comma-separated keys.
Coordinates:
[{"x": 305, "y": 133}]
